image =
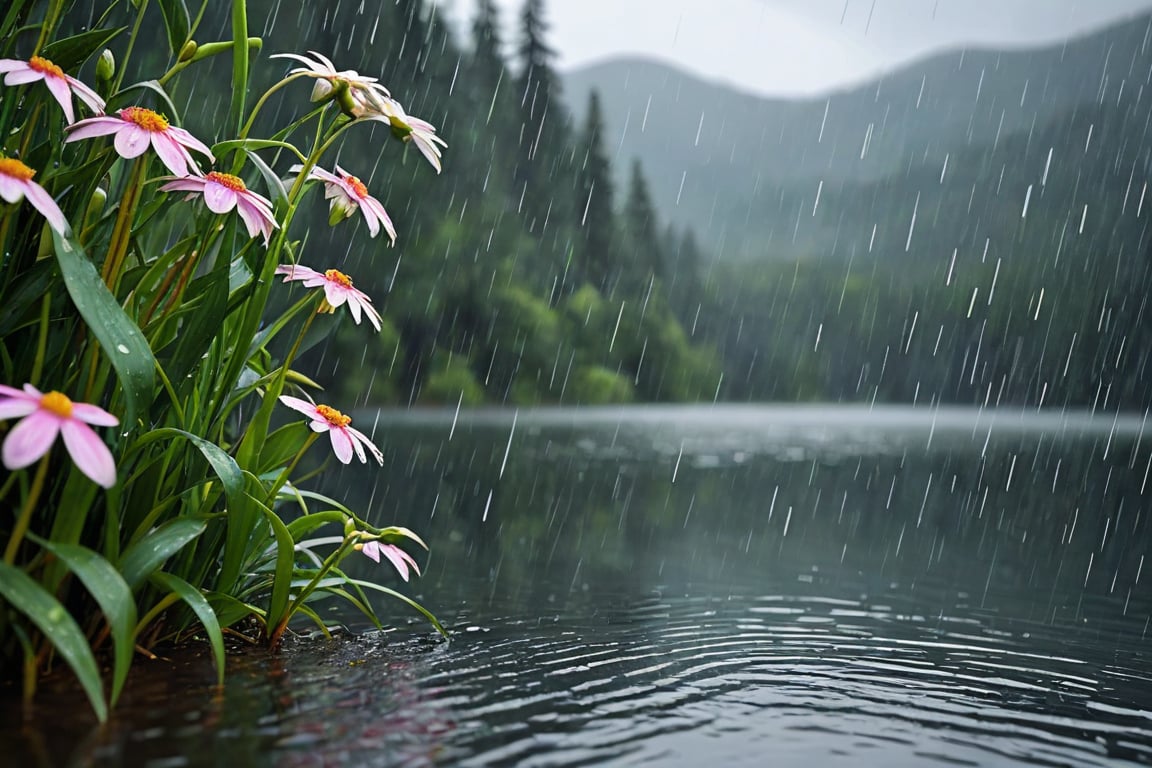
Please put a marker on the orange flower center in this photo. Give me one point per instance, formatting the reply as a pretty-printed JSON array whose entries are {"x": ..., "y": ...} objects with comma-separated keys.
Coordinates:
[
  {"x": 57, "y": 403},
  {"x": 10, "y": 166},
  {"x": 234, "y": 183},
  {"x": 357, "y": 186},
  {"x": 333, "y": 416},
  {"x": 336, "y": 276},
  {"x": 41, "y": 64},
  {"x": 145, "y": 118}
]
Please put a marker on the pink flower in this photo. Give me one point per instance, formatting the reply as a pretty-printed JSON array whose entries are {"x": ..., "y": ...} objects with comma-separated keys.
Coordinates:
[
  {"x": 398, "y": 557},
  {"x": 16, "y": 183},
  {"x": 44, "y": 415},
  {"x": 135, "y": 128},
  {"x": 347, "y": 193},
  {"x": 223, "y": 192},
  {"x": 411, "y": 129},
  {"x": 337, "y": 290},
  {"x": 366, "y": 92},
  {"x": 61, "y": 86},
  {"x": 345, "y": 438}
]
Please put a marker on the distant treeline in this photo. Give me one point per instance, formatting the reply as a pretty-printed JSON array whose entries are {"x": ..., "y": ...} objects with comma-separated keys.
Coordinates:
[{"x": 543, "y": 280}]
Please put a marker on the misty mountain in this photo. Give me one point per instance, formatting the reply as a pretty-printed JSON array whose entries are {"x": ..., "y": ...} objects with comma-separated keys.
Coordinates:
[{"x": 761, "y": 177}]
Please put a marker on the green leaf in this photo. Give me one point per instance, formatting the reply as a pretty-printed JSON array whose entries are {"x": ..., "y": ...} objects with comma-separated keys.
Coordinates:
[
  {"x": 230, "y": 610},
  {"x": 74, "y": 51},
  {"x": 283, "y": 444},
  {"x": 145, "y": 556},
  {"x": 46, "y": 612},
  {"x": 225, "y": 467},
  {"x": 276, "y": 190},
  {"x": 203, "y": 610},
  {"x": 176, "y": 22},
  {"x": 404, "y": 599},
  {"x": 285, "y": 558},
  {"x": 119, "y": 337},
  {"x": 111, "y": 593},
  {"x": 302, "y": 526}
]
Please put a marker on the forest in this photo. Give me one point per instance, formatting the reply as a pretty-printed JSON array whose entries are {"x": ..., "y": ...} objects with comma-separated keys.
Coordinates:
[{"x": 550, "y": 276}]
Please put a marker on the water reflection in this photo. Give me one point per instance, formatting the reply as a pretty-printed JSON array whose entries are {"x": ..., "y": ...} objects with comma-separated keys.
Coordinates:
[{"x": 683, "y": 586}]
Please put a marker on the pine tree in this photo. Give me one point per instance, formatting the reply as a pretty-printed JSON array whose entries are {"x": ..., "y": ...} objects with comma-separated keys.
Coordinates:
[
  {"x": 644, "y": 258},
  {"x": 543, "y": 166},
  {"x": 487, "y": 62},
  {"x": 595, "y": 207}
]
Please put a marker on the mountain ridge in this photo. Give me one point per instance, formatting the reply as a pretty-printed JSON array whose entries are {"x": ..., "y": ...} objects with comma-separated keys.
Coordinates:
[{"x": 709, "y": 149}]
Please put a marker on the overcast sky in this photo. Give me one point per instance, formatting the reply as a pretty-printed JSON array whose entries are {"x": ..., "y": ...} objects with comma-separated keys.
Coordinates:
[{"x": 801, "y": 46}]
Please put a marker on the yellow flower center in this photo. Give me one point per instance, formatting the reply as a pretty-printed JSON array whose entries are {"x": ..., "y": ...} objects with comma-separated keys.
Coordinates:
[
  {"x": 333, "y": 416},
  {"x": 10, "y": 166},
  {"x": 57, "y": 403},
  {"x": 357, "y": 186},
  {"x": 145, "y": 118},
  {"x": 41, "y": 64},
  {"x": 234, "y": 183},
  {"x": 336, "y": 276}
]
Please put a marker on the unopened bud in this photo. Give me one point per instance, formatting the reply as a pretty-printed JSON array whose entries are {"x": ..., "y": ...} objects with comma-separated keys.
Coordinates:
[
  {"x": 188, "y": 51},
  {"x": 106, "y": 66}
]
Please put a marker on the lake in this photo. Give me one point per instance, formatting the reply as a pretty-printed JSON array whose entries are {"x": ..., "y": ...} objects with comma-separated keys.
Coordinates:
[{"x": 810, "y": 586}]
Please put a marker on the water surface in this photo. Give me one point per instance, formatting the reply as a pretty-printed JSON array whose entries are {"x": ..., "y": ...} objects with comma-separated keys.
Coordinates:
[{"x": 677, "y": 586}]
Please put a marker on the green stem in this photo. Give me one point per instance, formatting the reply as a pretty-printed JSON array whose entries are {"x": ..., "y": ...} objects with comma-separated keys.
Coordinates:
[
  {"x": 49, "y": 24},
  {"x": 310, "y": 587},
  {"x": 42, "y": 341},
  {"x": 239, "y": 60},
  {"x": 131, "y": 44},
  {"x": 25, "y": 517}
]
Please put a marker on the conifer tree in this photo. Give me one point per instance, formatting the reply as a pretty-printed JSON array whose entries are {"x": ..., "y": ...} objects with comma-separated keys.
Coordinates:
[
  {"x": 542, "y": 169},
  {"x": 595, "y": 214},
  {"x": 643, "y": 259}
]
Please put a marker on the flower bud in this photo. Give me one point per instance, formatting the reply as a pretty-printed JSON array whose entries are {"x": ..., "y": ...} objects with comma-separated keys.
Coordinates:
[
  {"x": 106, "y": 66},
  {"x": 188, "y": 51}
]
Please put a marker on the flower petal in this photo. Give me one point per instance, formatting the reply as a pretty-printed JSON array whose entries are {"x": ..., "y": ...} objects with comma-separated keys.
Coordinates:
[
  {"x": 89, "y": 452},
  {"x": 182, "y": 137},
  {"x": 63, "y": 95},
  {"x": 303, "y": 406},
  {"x": 372, "y": 550},
  {"x": 92, "y": 414},
  {"x": 367, "y": 443},
  {"x": 400, "y": 559},
  {"x": 132, "y": 141},
  {"x": 174, "y": 156},
  {"x": 7, "y": 391},
  {"x": 43, "y": 202},
  {"x": 86, "y": 94},
  {"x": 93, "y": 127},
  {"x": 16, "y": 409},
  {"x": 21, "y": 77},
  {"x": 219, "y": 198},
  {"x": 12, "y": 190},
  {"x": 341, "y": 444},
  {"x": 186, "y": 184},
  {"x": 297, "y": 272},
  {"x": 30, "y": 439},
  {"x": 337, "y": 294}
]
